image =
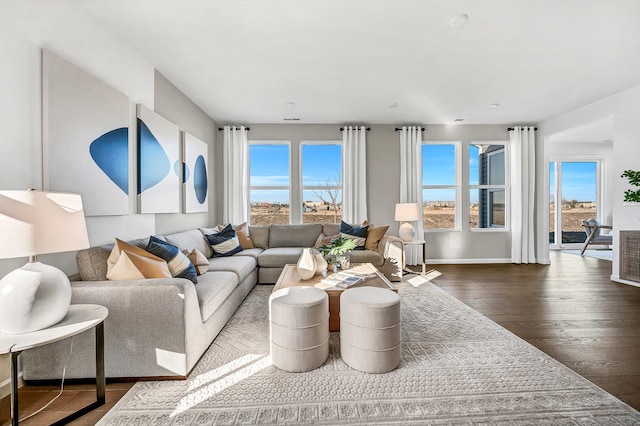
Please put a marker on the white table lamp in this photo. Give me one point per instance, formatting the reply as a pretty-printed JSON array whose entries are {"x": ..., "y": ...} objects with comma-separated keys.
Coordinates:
[
  {"x": 407, "y": 212},
  {"x": 36, "y": 295}
]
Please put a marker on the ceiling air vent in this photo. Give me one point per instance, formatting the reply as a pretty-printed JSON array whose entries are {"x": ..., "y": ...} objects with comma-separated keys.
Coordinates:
[{"x": 291, "y": 119}]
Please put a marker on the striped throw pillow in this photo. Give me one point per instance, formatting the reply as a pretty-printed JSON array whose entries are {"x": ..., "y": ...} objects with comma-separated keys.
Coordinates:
[
  {"x": 224, "y": 243},
  {"x": 179, "y": 265}
]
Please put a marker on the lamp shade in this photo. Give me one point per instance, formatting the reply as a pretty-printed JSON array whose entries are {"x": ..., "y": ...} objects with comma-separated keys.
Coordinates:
[
  {"x": 407, "y": 212},
  {"x": 37, "y": 222}
]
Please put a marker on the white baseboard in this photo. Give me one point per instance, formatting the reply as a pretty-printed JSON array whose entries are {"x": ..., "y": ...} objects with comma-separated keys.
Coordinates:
[
  {"x": 5, "y": 386},
  {"x": 465, "y": 261},
  {"x": 623, "y": 281}
]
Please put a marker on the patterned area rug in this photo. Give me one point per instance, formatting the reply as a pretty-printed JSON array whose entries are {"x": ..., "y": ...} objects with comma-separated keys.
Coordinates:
[{"x": 458, "y": 367}]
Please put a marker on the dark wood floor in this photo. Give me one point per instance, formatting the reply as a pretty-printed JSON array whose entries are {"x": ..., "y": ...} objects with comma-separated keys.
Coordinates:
[{"x": 569, "y": 309}]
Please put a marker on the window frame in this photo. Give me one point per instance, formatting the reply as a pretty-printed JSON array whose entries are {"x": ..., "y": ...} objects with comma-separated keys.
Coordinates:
[
  {"x": 268, "y": 187},
  {"x": 456, "y": 186},
  {"x": 301, "y": 187},
  {"x": 493, "y": 188}
]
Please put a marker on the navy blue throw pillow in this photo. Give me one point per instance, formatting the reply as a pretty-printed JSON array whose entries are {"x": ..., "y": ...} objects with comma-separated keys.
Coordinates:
[
  {"x": 179, "y": 265},
  {"x": 224, "y": 246},
  {"x": 356, "y": 233}
]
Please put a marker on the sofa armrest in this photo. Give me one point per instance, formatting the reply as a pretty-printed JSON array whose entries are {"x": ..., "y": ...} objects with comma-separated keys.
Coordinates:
[
  {"x": 383, "y": 245},
  {"x": 146, "y": 331}
]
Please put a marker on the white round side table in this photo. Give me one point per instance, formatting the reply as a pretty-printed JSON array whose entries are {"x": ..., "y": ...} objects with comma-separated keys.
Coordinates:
[{"x": 79, "y": 318}]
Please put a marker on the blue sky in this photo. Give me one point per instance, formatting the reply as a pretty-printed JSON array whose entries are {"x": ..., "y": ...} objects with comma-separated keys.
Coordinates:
[
  {"x": 578, "y": 180},
  {"x": 269, "y": 163}
]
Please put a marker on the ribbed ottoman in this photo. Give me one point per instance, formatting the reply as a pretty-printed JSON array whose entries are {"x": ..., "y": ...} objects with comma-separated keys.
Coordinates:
[
  {"x": 299, "y": 323},
  {"x": 370, "y": 329}
]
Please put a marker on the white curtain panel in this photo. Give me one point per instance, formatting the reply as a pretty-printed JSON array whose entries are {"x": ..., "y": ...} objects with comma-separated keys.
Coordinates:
[
  {"x": 235, "y": 154},
  {"x": 523, "y": 178},
  {"x": 411, "y": 184},
  {"x": 354, "y": 174}
]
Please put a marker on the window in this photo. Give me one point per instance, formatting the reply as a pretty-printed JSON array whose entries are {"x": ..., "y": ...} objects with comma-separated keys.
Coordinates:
[
  {"x": 269, "y": 183},
  {"x": 440, "y": 186},
  {"x": 487, "y": 186},
  {"x": 321, "y": 181}
]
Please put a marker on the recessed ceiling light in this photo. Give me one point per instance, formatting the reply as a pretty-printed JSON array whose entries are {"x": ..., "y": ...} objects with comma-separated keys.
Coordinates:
[
  {"x": 494, "y": 105},
  {"x": 459, "y": 119},
  {"x": 291, "y": 104},
  {"x": 459, "y": 20},
  {"x": 394, "y": 105}
]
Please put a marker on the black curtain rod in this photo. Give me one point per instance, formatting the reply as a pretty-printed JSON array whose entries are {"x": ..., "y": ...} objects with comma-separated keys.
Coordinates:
[
  {"x": 511, "y": 128},
  {"x": 222, "y": 128},
  {"x": 397, "y": 129},
  {"x": 367, "y": 129}
]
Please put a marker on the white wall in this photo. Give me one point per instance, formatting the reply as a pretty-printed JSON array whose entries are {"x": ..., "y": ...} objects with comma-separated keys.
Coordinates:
[
  {"x": 625, "y": 110},
  {"x": 76, "y": 36},
  {"x": 172, "y": 104},
  {"x": 383, "y": 176}
]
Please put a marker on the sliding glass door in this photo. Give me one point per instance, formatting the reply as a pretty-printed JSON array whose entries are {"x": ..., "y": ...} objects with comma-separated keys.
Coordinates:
[{"x": 574, "y": 195}]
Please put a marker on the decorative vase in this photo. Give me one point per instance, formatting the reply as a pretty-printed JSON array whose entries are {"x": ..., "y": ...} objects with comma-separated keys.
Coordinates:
[
  {"x": 306, "y": 264},
  {"x": 344, "y": 261},
  {"x": 321, "y": 264}
]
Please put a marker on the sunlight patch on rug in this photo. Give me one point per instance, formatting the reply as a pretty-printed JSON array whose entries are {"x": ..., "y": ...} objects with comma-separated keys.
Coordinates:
[{"x": 206, "y": 385}]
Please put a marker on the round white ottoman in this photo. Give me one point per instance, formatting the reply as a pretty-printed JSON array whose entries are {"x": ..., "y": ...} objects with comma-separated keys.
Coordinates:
[
  {"x": 299, "y": 323},
  {"x": 370, "y": 329}
]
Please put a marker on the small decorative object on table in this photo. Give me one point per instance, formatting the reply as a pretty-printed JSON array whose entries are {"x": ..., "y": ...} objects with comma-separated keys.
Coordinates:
[
  {"x": 306, "y": 264},
  {"x": 321, "y": 263}
]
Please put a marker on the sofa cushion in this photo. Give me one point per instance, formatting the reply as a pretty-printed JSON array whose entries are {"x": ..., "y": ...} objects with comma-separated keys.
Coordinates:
[
  {"x": 213, "y": 289},
  {"x": 254, "y": 252},
  {"x": 179, "y": 264},
  {"x": 189, "y": 240},
  {"x": 242, "y": 266},
  {"x": 259, "y": 236},
  {"x": 331, "y": 229},
  {"x": 294, "y": 235},
  {"x": 366, "y": 256},
  {"x": 92, "y": 263},
  {"x": 279, "y": 256}
]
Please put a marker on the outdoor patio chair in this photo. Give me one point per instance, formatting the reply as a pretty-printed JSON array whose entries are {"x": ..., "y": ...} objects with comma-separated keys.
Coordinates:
[{"x": 594, "y": 237}]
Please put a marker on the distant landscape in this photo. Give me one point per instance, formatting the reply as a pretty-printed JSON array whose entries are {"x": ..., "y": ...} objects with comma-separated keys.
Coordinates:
[{"x": 436, "y": 217}]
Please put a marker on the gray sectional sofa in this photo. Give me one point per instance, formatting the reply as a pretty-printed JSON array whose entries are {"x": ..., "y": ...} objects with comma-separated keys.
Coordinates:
[{"x": 161, "y": 327}]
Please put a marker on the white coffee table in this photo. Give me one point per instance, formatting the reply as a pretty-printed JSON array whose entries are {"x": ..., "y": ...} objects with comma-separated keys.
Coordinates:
[{"x": 79, "y": 318}]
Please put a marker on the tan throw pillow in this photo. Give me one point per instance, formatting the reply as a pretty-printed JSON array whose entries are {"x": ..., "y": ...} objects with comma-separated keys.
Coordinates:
[
  {"x": 131, "y": 266},
  {"x": 120, "y": 245},
  {"x": 242, "y": 231},
  {"x": 374, "y": 235},
  {"x": 198, "y": 259}
]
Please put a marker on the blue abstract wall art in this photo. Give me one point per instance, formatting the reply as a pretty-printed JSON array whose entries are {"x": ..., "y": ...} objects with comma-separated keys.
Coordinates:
[
  {"x": 110, "y": 152},
  {"x": 153, "y": 163},
  {"x": 200, "y": 179},
  {"x": 85, "y": 124},
  {"x": 196, "y": 183},
  {"x": 158, "y": 153}
]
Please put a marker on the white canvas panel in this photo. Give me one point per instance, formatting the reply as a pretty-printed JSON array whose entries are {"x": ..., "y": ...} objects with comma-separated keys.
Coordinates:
[
  {"x": 158, "y": 163},
  {"x": 196, "y": 172},
  {"x": 85, "y": 135}
]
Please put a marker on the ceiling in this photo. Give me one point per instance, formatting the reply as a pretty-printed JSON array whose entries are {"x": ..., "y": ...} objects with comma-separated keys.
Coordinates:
[{"x": 383, "y": 61}]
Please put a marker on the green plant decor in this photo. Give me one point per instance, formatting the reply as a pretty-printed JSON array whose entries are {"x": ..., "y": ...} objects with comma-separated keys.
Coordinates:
[
  {"x": 337, "y": 247},
  {"x": 630, "y": 195}
]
